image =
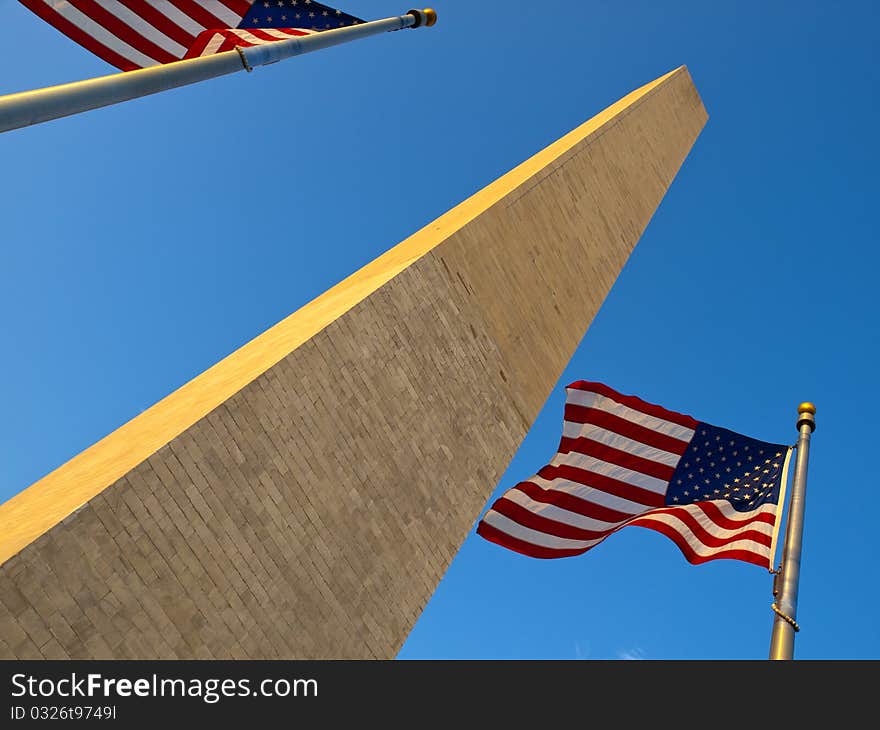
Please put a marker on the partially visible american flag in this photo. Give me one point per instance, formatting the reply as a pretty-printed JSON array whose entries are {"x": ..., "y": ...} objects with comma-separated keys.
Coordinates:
[
  {"x": 132, "y": 34},
  {"x": 622, "y": 461}
]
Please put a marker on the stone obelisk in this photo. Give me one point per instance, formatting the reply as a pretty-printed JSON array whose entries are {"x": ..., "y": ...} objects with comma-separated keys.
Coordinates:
[{"x": 303, "y": 497}]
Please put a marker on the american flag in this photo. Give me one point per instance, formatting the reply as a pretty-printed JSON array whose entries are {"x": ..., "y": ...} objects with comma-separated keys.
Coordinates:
[
  {"x": 622, "y": 461},
  {"x": 132, "y": 34}
]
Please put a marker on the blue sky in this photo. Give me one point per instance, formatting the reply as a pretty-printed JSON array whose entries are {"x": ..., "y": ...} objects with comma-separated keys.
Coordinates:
[{"x": 142, "y": 243}]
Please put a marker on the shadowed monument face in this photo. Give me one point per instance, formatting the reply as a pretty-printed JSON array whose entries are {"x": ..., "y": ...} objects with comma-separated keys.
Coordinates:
[{"x": 303, "y": 497}]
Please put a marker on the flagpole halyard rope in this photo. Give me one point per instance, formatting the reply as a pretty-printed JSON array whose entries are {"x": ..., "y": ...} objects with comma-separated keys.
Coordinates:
[
  {"x": 788, "y": 619},
  {"x": 244, "y": 61}
]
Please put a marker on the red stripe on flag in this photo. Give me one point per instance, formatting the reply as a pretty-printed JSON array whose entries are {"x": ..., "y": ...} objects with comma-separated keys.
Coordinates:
[
  {"x": 198, "y": 14},
  {"x": 241, "y": 7},
  {"x": 521, "y": 546},
  {"x": 693, "y": 558},
  {"x": 712, "y": 511},
  {"x": 230, "y": 42},
  {"x": 263, "y": 35},
  {"x": 537, "y": 522},
  {"x": 75, "y": 34},
  {"x": 603, "y": 419},
  {"x": 636, "y": 403},
  {"x": 200, "y": 43},
  {"x": 571, "y": 503},
  {"x": 122, "y": 31},
  {"x": 700, "y": 532},
  {"x": 159, "y": 21},
  {"x": 588, "y": 447},
  {"x": 602, "y": 483}
]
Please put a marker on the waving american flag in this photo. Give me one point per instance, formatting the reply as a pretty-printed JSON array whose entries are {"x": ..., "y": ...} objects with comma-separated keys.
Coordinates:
[
  {"x": 622, "y": 461},
  {"x": 132, "y": 34}
]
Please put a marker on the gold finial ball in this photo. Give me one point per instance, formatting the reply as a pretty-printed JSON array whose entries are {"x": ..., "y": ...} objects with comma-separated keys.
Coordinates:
[
  {"x": 431, "y": 16},
  {"x": 807, "y": 408}
]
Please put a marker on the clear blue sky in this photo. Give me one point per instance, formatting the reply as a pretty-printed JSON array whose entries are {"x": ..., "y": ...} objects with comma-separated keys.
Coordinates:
[{"x": 141, "y": 244}]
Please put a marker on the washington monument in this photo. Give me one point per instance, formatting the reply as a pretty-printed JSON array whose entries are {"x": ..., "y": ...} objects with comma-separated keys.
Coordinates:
[{"x": 303, "y": 497}]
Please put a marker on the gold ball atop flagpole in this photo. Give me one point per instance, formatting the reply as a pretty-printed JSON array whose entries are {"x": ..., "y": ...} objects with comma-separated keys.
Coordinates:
[
  {"x": 426, "y": 17},
  {"x": 806, "y": 416}
]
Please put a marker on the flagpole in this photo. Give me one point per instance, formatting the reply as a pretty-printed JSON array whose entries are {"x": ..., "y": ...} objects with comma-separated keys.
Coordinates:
[
  {"x": 41, "y": 105},
  {"x": 785, "y": 585}
]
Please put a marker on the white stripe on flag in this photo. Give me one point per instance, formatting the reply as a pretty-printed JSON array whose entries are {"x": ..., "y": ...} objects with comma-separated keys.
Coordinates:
[
  {"x": 620, "y": 473},
  {"x": 559, "y": 514},
  {"x": 220, "y": 11},
  {"x": 700, "y": 548},
  {"x": 716, "y": 530},
  {"x": 213, "y": 44},
  {"x": 102, "y": 35},
  {"x": 594, "y": 400},
  {"x": 250, "y": 37},
  {"x": 141, "y": 26},
  {"x": 280, "y": 35},
  {"x": 542, "y": 539},
  {"x": 575, "y": 430},
  {"x": 179, "y": 18},
  {"x": 731, "y": 513},
  {"x": 591, "y": 494}
]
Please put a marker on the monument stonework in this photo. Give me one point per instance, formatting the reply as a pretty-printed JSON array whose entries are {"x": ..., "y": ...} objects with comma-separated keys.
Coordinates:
[{"x": 303, "y": 497}]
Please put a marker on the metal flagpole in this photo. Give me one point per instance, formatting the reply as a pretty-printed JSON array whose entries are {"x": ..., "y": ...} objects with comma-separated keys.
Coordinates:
[
  {"x": 32, "y": 107},
  {"x": 785, "y": 584}
]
